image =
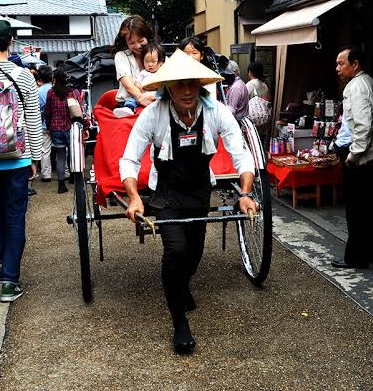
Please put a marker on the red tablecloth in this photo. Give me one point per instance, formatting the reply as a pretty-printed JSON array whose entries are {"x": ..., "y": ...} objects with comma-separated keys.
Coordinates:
[
  {"x": 310, "y": 176},
  {"x": 111, "y": 142}
]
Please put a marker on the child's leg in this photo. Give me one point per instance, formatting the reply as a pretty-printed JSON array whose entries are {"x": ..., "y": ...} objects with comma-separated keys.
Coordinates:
[
  {"x": 126, "y": 109},
  {"x": 131, "y": 104}
]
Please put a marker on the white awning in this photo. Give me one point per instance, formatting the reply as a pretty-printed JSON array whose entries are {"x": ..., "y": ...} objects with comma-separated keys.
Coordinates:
[
  {"x": 293, "y": 27},
  {"x": 18, "y": 24}
]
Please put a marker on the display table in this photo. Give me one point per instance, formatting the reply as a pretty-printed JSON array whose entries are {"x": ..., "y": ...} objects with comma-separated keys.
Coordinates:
[{"x": 310, "y": 177}]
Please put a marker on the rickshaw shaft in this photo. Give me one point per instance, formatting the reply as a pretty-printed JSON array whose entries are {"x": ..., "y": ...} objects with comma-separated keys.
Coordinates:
[{"x": 207, "y": 219}]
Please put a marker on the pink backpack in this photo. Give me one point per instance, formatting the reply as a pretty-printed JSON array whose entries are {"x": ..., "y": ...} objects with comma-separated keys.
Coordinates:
[{"x": 12, "y": 133}]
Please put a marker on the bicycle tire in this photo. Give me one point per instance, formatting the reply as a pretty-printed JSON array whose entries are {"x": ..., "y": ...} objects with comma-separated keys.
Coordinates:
[
  {"x": 255, "y": 243},
  {"x": 82, "y": 230}
]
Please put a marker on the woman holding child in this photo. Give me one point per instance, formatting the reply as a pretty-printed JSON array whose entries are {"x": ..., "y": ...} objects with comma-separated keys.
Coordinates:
[{"x": 134, "y": 34}]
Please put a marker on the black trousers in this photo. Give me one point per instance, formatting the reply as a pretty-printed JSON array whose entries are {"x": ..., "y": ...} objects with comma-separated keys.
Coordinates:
[
  {"x": 357, "y": 189},
  {"x": 183, "y": 247},
  {"x": 357, "y": 184}
]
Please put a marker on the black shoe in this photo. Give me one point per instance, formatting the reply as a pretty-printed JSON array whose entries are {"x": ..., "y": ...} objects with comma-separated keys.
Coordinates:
[
  {"x": 183, "y": 340},
  {"x": 46, "y": 179},
  {"x": 340, "y": 263},
  {"x": 62, "y": 187},
  {"x": 31, "y": 191},
  {"x": 189, "y": 302}
]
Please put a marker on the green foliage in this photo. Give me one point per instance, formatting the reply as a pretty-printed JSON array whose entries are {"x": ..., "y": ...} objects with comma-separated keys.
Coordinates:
[{"x": 168, "y": 17}]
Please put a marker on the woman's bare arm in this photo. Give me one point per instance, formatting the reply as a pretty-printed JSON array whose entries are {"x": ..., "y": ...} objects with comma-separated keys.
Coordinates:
[{"x": 144, "y": 99}]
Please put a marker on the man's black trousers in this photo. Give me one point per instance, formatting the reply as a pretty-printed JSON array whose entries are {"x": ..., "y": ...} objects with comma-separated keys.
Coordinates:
[
  {"x": 183, "y": 247},
  {"x": 357, "y": 186}
]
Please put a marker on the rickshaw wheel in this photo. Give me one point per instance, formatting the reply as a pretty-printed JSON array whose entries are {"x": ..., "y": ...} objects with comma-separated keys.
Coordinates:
[
  {"x": 255, "y": 241},
  {"x": 81, "y": 200}
]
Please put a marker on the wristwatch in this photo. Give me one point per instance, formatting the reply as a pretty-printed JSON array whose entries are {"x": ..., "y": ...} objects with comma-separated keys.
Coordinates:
[{"x": 246, "y": 195}]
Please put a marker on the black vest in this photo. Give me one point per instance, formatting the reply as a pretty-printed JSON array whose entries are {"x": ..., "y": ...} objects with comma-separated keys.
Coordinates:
[{"x": 184, "y": 182}]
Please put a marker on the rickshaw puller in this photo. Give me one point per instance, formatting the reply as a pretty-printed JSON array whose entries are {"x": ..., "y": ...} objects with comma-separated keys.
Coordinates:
[{"x": 183, "y": 126}]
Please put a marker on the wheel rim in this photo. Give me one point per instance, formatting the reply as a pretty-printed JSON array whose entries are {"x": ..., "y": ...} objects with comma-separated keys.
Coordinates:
[
  {"x": 252, "y": 241},
  {"x": 83, "y": 221},
  {"x": 89, "y": 214}
]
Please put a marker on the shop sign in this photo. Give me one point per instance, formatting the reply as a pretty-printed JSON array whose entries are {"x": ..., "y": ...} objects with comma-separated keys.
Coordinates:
[{"x": 31, "y": 49}]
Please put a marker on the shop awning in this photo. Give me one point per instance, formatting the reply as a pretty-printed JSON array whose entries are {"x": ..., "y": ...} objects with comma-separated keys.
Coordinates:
[
  {"x": 18, "y": 24},
  {"x": 293, "y": 27}
]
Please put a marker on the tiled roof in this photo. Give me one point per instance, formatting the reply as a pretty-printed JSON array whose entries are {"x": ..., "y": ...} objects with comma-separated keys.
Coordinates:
[
  {"x": 57, "y": 7},
  {"x": 107, "y": 29}
]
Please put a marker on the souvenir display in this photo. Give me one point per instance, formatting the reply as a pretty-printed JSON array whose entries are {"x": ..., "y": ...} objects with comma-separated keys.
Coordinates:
[{"x": 289, "y": 161}]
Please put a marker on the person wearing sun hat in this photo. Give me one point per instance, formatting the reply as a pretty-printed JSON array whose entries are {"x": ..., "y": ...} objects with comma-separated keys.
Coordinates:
[
  {"x": 183, "y": 125},
  {"x": 16, "y": 167}
]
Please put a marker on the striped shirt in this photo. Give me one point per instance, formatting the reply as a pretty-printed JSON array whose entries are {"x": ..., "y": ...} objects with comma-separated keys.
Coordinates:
[{"x": 33, "y": 131}]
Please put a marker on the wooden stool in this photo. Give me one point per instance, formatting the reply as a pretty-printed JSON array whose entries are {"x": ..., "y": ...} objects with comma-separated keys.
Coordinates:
[{"x": 307, "y": 195}]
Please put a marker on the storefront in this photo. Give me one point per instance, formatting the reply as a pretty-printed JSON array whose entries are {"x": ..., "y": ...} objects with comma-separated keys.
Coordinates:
[
  {"x": 307, "y": 88},
  {"x": 308, "y": 40}
]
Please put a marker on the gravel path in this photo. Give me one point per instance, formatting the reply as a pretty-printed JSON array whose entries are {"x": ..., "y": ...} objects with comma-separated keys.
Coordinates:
[{"x": 297, "y": 333}]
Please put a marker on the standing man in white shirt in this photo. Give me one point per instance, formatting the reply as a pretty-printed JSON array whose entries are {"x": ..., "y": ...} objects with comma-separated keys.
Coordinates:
[
  {"x": 358, "y": 169},
  {"x": 184, "y": 127}
]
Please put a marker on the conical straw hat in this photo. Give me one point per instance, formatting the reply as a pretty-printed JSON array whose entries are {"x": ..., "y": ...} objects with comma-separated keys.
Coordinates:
[{"x": 180, "y": 66}]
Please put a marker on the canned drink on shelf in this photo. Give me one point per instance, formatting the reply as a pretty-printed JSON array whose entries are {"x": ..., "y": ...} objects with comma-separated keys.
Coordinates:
[
  {"x": 291, "y": 142},
  {"x": 287, "y": 146},
  {"x": 276, "y": 145},
  {"x": 279, "y": 145}
]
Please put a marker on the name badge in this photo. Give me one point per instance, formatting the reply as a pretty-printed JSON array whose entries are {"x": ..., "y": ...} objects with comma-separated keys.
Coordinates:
[{"x": 187, "y": 139}]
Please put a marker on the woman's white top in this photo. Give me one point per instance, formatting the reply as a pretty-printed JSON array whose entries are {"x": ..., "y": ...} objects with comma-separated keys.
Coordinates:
[
  {"x": 257, "y": 87},
  {"x": 126, "y": 66},
  {"x": 153, "y": 126}
]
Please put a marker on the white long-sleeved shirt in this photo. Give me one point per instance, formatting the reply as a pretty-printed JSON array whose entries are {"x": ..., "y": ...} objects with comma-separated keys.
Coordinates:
[
  {"x": 358, "y": 109},
  {"x": 153, "y": 126}
]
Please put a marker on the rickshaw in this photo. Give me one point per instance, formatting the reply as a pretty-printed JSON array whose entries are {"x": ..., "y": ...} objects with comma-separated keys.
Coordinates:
[{"x": 96, "y": 184}]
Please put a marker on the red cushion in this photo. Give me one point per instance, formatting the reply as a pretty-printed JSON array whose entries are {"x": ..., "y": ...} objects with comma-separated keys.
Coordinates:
[{"x": 111, "y": 142}]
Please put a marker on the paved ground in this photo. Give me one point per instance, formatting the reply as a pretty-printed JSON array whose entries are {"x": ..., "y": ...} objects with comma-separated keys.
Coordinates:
[
  {"x": 318, "y": 236},
  {"x": 297, "y": 333}
]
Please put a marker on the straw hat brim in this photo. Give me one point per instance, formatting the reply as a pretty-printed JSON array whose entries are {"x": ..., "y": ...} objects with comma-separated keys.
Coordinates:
[{"x": 180, "y": 66}]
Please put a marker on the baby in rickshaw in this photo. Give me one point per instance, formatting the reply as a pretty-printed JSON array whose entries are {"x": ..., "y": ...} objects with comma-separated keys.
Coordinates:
[
  {"x": 184, "y": 126},
  {"x": 153, "y": 56},
  {"x": 129, "y": 49}
]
